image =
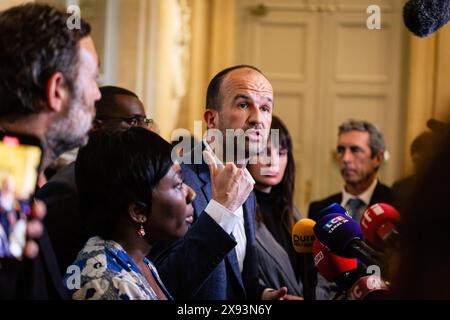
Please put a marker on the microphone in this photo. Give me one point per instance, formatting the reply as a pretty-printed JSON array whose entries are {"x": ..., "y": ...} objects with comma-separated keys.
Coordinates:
[
  {"x": 344, "y": 237},
  {"x": 333, "y": 208},
  {"x": 379, "y": 225},
  {"x": 353, "y": 283},
  {"x": 302, "y": 239},
  {"x": 424, "y": 17},
  {"x": 342, "y": 271},
  {"x": 368, "y": 288}
]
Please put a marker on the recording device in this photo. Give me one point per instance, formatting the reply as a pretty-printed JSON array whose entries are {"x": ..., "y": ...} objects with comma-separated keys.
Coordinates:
[
  {"x": 344, "y": 237},
  {"x": 342, "y": 271},
  {"x": 333, "y": 208},
  {"x": 424, "y": 17},
  {"x": 370, "y": 287},
  {"x": 302, "y": 239},
  {"x": 379, "y": 225},
  {"x": 20, "y": 161}
]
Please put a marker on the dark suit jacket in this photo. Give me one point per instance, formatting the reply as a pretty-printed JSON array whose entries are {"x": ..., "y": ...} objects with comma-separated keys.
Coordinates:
[
  {"x": 226, "y": 281},
  {"x": 381, "y": 193},
  {"x": 63, "y": 220},
  {"x": 37, "y": 279}
]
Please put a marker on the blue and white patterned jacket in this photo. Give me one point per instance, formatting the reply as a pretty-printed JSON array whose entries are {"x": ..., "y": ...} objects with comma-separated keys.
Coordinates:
[{"x": 107, "y": 272}]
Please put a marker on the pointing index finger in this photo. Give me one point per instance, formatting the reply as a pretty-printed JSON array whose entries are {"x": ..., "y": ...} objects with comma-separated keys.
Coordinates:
[{"x": 209, "y": 160}]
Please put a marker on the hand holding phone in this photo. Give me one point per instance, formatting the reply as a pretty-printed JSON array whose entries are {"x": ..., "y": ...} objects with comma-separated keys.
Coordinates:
[{"x": 20, "y": 160}]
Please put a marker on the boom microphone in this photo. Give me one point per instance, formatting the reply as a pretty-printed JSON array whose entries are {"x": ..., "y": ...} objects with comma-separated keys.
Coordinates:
[
  {"x": 424, "y": 17},
  {"x": 302, "y": 239},
  {"x": 379, "y": 225},
  {"x": 344, "y": 237}
]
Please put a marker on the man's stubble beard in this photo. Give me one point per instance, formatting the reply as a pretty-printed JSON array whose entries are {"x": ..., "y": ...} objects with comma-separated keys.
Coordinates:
[
  {"x": 71, "y": 129},
  {"x": 240, "y": 146}
]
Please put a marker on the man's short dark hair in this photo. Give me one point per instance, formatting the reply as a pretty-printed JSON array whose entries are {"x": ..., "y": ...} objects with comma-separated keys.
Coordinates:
[
  {"x": 35, "y": 43},
  {"x": 113, "y": 90},
  {"x": 213, "y": 96},
  {"x": 108, "y": 94}
]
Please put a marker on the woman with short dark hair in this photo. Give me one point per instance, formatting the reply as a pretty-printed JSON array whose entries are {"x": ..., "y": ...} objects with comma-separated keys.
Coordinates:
[{"x": 131, "y": 196}]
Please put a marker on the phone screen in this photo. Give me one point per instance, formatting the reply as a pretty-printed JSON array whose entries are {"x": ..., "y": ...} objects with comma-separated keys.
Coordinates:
[{"x": 20, "y": 158}]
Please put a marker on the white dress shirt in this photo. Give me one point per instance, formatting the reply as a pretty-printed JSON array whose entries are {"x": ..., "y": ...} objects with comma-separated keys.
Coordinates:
[
  {"x": 231, "y": 222},
  {"x": 365, "y": 197}
]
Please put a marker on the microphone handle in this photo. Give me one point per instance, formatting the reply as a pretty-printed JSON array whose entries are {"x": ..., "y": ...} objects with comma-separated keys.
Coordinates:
[
  {"x": 366, "y": 254},
  {"x": 347, "y": 279},
  {"x": 309, "y": 277}
]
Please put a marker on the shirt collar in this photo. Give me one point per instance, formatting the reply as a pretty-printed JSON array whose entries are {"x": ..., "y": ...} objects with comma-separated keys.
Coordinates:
[
  {"x": 365, "y": 196},
  {"x": 220, "y": 163}
]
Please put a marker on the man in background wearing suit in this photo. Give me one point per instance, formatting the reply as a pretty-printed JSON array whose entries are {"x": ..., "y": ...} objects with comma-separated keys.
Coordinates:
[{"x": 360, "y": 153}]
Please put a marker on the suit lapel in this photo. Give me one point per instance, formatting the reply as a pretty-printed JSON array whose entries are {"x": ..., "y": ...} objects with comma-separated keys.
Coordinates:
[
  {"x": 250, "y": 257},
  {"x": 378, "y": 195},
  {"x": 206, "y": 193},
  {"x": 200, "y": 204},
  {"x": 234, "y": 265}
]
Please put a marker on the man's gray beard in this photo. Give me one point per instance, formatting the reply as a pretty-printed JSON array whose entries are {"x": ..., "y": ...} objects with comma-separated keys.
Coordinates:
[{"x": 70, "y": 131}]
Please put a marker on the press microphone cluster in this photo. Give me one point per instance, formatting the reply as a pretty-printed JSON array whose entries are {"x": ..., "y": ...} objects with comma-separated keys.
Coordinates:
[
  {"x": 341, "y": 253},
  {"x": 343, "y": 236},
  {"x": 424, "y": 17}
]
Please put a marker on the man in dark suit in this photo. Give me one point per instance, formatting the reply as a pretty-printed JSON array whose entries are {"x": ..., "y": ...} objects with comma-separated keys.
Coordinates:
[
  {"x": 238, "y": 98},
  {"x": 360, "y": 154}
]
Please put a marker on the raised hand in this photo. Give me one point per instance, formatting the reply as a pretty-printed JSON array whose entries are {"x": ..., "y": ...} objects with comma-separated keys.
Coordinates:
[{"x": 230, "y": 186}]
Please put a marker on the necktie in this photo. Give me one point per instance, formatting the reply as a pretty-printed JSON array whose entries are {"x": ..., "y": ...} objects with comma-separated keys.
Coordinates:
[{"x": 355, "y": 207}]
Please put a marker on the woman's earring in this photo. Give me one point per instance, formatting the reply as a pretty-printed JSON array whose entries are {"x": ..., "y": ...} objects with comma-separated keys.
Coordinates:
[{"x": 141, "y": 231}]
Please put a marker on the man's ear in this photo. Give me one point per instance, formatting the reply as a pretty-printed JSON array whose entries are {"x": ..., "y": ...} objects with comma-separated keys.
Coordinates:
[
  {"x": 211, "y": 118},
  {"x": 137, "y": 214},
  {"x": 379, "y": 158},
  {"x": 57, "y": 92}
]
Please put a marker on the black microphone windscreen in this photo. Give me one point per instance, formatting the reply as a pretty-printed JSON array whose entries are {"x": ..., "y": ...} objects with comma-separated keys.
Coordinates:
[{"x": 424, "y": 17}]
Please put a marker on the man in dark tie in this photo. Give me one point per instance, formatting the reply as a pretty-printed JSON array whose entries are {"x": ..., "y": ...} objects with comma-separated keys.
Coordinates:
[{"x": 360, "y": 152}]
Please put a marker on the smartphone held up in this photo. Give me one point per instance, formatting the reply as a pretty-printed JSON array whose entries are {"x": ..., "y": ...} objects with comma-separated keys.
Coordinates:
[{"x": 20, "y": 159}]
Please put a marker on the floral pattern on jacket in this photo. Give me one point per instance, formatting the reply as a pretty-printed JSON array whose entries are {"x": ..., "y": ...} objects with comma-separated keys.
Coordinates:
[{"x": 107, "y": 272}]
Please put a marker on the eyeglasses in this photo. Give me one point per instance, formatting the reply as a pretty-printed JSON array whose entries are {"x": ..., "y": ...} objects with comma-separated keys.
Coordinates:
[{"x": 134, "y": 121}]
